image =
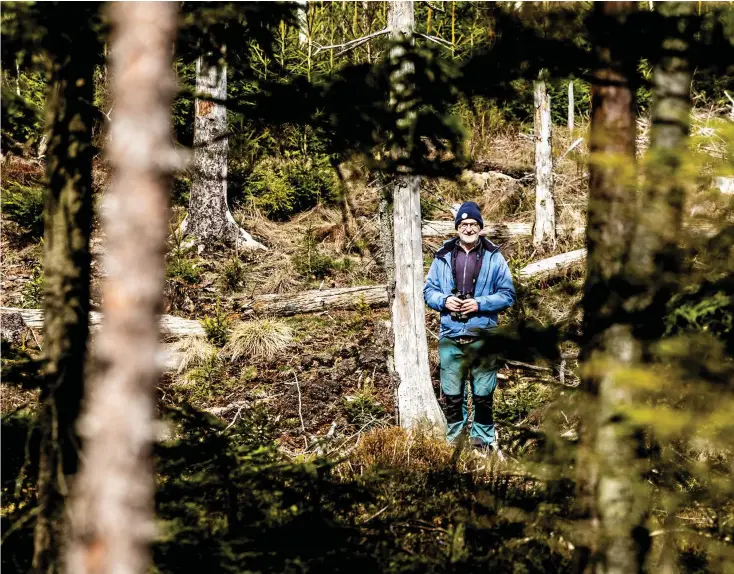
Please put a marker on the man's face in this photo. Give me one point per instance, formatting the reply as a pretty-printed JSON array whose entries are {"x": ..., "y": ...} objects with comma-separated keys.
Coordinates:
[{"x": 468, "y": 231}]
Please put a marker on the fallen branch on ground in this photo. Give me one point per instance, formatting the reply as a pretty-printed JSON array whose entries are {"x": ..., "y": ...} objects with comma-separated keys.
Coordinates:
[{"x": 170, "y": 325}]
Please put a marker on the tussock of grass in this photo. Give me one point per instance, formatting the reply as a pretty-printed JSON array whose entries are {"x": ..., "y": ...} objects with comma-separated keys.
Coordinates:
[
  {"x": 260, "y": 339},
  {"x": 194, "y": 351},
  {"x": 394, "y": 447}
]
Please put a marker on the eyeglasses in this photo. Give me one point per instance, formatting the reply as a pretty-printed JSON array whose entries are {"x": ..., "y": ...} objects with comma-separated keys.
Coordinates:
[{"x": 468, "y": 226}]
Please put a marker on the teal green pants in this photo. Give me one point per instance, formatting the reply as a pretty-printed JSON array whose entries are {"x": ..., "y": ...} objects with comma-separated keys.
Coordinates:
[{"x": 459, "y": 363}]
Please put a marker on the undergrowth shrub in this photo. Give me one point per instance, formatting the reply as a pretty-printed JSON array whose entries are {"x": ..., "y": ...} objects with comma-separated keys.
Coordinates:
[
  {"x": 708, "y": 307},
  {"x": 204, "y": 382},
  {"x": 394, "y": 447},
  {"x": 232, "y": 275},
  {"x": 24, "y": 205},
  {"x": 363, "y": 410},
  {"x": 217, "y": 327},
  {"x": 32, "y": 292},
  {"x": 284, "y": 187},
  {"x": 183, "y": 269},
  {"x": 259, "y": 339},
  {"x": 310, "y": 261}
]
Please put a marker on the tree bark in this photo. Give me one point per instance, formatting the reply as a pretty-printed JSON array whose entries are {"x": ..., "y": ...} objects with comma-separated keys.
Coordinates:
[
  {"x": 544, "y": 230},
  {"x": 611, "y": 493},
  {"x": 417, "y": 404},
  {"x": 655, "y": 260},
  {"x": 67, "y": 229},
  {"x": 209, "y": 218},
  {"x": 113, "y": 518},
  {"x": 571, "y": 108}
]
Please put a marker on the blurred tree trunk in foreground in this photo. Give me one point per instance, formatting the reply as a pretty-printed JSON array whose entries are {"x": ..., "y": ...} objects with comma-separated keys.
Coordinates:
[
  {"x": 417, "y": 404},
  {"x": 67, "y": 228},
  {"x": 113, "y": 513},
  {"x": 209, "y": 218},
  {"x": 633, "y": 267},
  {"x": 609, "y": 488}
]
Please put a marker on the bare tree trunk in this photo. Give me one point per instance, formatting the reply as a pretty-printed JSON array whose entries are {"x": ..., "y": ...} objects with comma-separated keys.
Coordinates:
[
  {"x": 571, "y": 108},
  {"x": 610, "y": 489},
  {"x": 544, "y": 230},
  {"x": 417, "y": 404},
  {"x": 209, "y": 218},
  {"x": 67, "y": 228},
  {"x": 302, "y": 16},
  {"x": 113, "y": 519}
]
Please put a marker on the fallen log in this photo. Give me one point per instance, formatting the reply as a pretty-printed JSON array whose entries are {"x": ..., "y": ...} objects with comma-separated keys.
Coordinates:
[
  {"x": 317, "y": 300},
  {"x": 170, "y": 325},
  {"x": 553, "y": 266},
  {"x": 495, "y": 230},
  {"x": 376, "y": 296}
]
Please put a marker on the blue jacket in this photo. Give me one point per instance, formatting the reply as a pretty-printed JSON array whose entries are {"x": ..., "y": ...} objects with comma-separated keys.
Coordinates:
[{"x": 493, "y": 290}]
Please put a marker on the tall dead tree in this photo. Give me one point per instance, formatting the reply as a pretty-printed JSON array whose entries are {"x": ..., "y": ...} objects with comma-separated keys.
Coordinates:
[
  {"x": 67, "y": 228},
  {"x": 571, "y": 108},
  {"x": 417, "y": 404},
  {"x": 209, "y": 218},
  {"x": 113, "y": 514},
  {"x": 544, "y": 229},
  {"x": 611, "y": 489}
]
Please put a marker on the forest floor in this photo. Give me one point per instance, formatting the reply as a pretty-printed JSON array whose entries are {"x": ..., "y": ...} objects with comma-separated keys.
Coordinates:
[
  {"x": 335, "y": 357},
  {"x": 331, "y": 377}
]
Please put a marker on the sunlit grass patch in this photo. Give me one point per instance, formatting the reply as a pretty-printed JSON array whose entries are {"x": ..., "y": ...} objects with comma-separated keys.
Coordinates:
[{"x": 260, "y": 339}]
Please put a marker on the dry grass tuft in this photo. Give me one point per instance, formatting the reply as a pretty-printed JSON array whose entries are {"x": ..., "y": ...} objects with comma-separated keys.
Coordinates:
[
  {"x": 260, "y": 339},
  {"x": 194, "y": 351},
  {"x": 394, "y": 447}
]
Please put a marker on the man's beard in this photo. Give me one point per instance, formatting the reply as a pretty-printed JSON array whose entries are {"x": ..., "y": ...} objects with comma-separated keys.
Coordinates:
[{"x": 469, "y": 239}]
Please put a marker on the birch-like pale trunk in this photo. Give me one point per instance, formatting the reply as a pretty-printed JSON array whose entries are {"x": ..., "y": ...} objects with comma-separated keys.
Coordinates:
[
  {"x": 544, "y": 229},
  {"x": 113, "y": 512},
  {"x": 571, "y": 108},
  {"x": 417, "y": 404},
  {"x": 209, "y": 218}
]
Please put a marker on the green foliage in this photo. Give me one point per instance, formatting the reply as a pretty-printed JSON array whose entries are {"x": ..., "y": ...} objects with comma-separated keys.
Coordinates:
[
  {"x": 180, "y": 190},
  {"x": 207, "y": 380},
  {"x": 363, "y": 409},
  {"x": 182, "y": 268},
  {"x": 708, "y": 307},
  {"x": 217, "y": 327},
  {"x": 310, "y": 261},
  {"x": 24, "y": 205},
  {"x": 282, "y": 188},
  {"x": 33, "y": 290},
  {"x": 179, "y": 265},
  {"x": 232, "y": 274}
]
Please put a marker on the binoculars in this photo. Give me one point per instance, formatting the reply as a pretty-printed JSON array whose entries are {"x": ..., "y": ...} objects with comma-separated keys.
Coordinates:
[{"x": 458, "y": 315}]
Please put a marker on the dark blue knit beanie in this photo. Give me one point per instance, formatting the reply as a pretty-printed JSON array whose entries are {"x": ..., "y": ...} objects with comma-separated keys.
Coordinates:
[{"x": 468, "y": 210}]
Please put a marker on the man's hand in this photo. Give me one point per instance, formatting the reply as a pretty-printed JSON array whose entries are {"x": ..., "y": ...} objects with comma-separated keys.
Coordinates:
[
  {"x": 469, "y": 306},
  {"x": 453, "y": 303}
]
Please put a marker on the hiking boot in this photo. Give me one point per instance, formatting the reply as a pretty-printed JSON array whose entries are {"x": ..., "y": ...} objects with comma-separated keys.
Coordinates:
[{"x": 485, "y": 449}]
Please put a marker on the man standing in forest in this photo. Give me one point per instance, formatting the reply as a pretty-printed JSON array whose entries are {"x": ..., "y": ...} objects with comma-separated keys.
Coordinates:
[{"x": 469, "y": 283}]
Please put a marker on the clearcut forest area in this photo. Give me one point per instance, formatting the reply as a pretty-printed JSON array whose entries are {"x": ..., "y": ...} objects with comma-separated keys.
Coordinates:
[{"x": 217, "y": 224}]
